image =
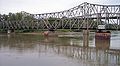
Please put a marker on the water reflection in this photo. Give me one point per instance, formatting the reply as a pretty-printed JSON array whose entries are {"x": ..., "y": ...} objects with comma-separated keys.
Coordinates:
[{"x": 39, "y": 48}]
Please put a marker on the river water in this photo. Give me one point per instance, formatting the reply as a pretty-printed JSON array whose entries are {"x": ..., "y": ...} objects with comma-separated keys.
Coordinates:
[{"x": 37, "y": 50}]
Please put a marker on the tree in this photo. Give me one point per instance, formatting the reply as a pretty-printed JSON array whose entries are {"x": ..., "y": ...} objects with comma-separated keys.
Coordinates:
[
  {"x": 19, "y": 16},
  {"x": 4, "y": 17}
]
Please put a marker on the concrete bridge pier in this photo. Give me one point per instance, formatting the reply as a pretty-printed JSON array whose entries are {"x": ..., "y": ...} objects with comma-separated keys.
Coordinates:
[{"x": 85, "y": 38}]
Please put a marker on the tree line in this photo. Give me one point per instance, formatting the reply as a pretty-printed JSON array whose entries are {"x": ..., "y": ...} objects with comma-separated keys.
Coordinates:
[{"x": 16, "y": 16}]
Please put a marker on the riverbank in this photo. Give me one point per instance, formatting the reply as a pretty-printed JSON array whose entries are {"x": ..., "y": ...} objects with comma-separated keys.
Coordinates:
[{"x": 61, "y": 34}]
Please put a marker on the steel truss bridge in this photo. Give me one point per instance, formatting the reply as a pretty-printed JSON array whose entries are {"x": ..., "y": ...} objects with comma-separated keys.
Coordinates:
[{"x": 79, "y": 17}]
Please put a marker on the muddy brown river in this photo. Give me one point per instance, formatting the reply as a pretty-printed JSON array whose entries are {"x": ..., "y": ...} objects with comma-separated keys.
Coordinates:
[{"x": 37, "y": 50}]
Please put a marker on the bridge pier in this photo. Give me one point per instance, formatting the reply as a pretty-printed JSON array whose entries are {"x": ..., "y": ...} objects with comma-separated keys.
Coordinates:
[
  {"x": 102, "y": 36},
  {"x": 85, "y": 38},
  {"x": 105, "y": 39}
]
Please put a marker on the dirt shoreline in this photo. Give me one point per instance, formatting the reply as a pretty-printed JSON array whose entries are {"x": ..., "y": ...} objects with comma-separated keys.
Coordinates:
[
  {"x": 33, "y": 33},
  {"x": 58, "y": 33}
]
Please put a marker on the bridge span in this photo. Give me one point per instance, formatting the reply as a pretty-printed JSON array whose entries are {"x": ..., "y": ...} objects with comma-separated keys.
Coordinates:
[{"x": 74, "y": 18}]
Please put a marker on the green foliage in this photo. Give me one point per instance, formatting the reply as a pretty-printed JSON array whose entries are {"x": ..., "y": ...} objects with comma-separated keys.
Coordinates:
[
  {"x": 17, "y": 17},
  {"x": 5, "y": 17}
]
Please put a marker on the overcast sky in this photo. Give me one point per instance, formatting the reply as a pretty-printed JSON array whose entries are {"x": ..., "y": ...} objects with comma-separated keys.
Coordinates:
[{"x": 45, "y": 6}]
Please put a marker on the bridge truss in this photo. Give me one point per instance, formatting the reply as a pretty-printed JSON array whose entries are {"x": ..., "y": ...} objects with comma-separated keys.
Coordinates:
[{"x": 79, "y": 17}]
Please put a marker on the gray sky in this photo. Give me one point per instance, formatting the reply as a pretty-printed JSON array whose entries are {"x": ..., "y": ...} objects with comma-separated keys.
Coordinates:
[{"x": 45, "y": 6}]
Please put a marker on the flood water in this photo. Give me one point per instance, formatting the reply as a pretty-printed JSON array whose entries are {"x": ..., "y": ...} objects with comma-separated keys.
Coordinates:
[{"x": 37, "y": 50}]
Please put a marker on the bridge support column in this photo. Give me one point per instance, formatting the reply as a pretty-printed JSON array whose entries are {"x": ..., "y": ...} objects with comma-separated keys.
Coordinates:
[
  {"x": 119, "y": 20},
  {"x": 102, "y": 40},
  {"x": 85, "y": 38}
]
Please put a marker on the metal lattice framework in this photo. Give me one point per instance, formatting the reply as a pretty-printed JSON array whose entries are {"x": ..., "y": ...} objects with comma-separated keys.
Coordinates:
[{"x": 79, "y": 17}]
